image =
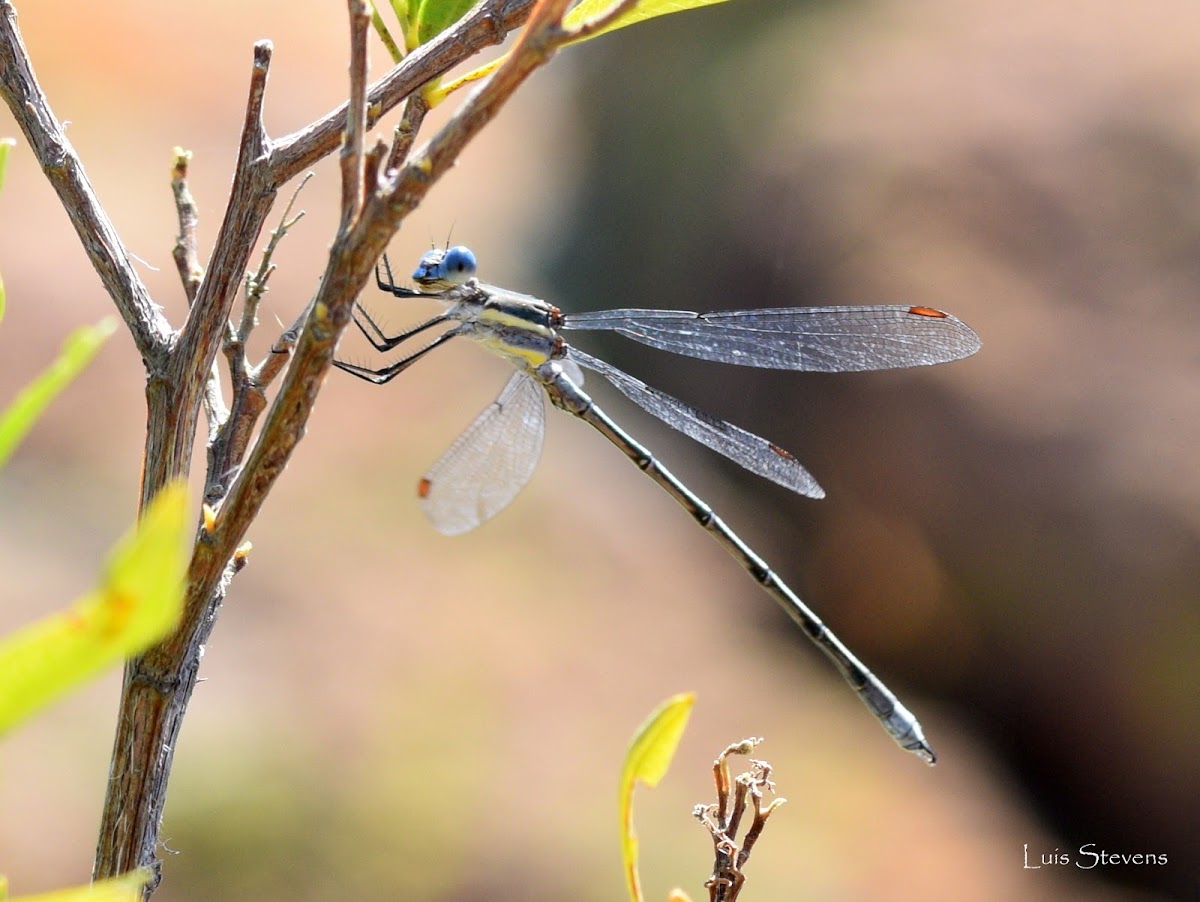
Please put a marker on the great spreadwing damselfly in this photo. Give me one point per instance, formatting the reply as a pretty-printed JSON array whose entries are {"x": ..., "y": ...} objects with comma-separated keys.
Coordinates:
[{"x": 494, "y": 458}]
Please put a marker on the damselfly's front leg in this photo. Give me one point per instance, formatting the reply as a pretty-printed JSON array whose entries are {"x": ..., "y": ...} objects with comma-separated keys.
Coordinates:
[{"x": 389, "y": 372}]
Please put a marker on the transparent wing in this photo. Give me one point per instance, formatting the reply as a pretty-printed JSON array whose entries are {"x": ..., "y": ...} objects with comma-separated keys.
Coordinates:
[
  {"x": 820, "y": 339},
  {"x": 744, "y": 448},
  {"x": 489, "y": 463}
]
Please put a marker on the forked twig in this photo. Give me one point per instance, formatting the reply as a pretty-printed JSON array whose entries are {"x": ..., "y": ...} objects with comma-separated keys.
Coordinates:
[
  {"x": 377, "y": 193},
  {"x": 256, "y": 283},
  {"x": 723, "y": 819},
  {"x": 159, "y": 684}
]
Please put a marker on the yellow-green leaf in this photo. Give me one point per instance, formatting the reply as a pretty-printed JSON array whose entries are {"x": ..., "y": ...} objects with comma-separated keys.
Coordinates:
[
  {"x": 435, "y": 16},
  {"x": 647, "y": 760},
  {"x": 138, "y": 602},
  {"x": 646, "y": 9},
  {"x": 79, "y": 348},
  {"x": 126, "y": 888},
  {"x": 588, "y": 9}
]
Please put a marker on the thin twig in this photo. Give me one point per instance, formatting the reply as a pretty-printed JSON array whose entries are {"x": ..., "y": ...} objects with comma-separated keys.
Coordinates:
[
  {"x": 208, "y": 319},
  {"x": 256, "y": 284},
  {"x": 415, "y": 109},
  {"x": 759, "y": 781},
  {"x": 372, "y": 165},
  {"x": 485, "y": 25},
  {"x": 187, "y": 260},
  {"x": 19, "y": 86},
  {"x": 270, "y": 367},
  {"x": 351, "y": 262},
  {"x": 351, "y": 158},
  {"x": 227, "y": 449},
  {"x": 229, "y": 439},
  {"x": 542, "y": 36},
  {"x": 722, "y": 779},
  {"x": 723, "y": 819}
]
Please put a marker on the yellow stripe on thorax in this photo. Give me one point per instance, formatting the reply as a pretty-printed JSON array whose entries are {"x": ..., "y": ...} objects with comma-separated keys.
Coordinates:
[{"x": 535, "y": 353}]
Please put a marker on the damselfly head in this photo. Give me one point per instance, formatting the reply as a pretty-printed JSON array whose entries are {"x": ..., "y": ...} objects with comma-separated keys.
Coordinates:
[{"x": 445, "y": 269}]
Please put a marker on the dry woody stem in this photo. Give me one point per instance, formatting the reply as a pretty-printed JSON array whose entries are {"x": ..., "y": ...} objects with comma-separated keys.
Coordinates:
[
  {"x": 380, "y": 186},
  {"x": 723, "y": 820}
]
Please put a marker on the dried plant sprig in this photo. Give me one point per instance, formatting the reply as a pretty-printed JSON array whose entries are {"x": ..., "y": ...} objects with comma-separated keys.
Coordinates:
[{"x": 723, "y": 818}]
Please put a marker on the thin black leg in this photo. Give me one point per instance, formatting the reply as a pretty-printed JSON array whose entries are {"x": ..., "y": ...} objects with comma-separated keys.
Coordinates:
[
  {"x": 383, "y": 342},
  {"x": 389, "y": 372},
  {"x": 389, "y": 285}
]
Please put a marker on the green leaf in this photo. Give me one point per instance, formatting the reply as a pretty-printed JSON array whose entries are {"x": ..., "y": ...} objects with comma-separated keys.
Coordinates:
[
  {"x": 588, "y": 9},
  {"x": 647, "y": 760},
  {"x": 435, "y": 16},
  {"x": 646, "y": 9},
  {"x": 126, "y": 888},
  {"x": 79, "y": 348},
  {"x": 401, "y": 10},
  {"x": 138, "y": 602}
]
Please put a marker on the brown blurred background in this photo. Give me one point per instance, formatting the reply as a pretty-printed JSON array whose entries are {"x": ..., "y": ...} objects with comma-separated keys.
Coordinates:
[{"x": 1011, "y": 541}]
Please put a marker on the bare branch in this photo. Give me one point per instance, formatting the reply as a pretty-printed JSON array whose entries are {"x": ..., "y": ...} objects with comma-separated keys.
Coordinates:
[
  {"x": 271, "y": 366},
  {"x": 256, "y": 285},
  {"x": 150, "y": 329},
  {"x": 351, "y": 262},
  {"x": 187, "y": 260},
  {"x": 484, "y": 25},
  {"x": 356, "y": 116},
  {"x": 262, "y": 167},
  {"x": 249, "y": 202},
  {"x": 542, "y": 36},
  {"x": 406, "y": 132},
  {"x": 372, "y": 162},
  {"x": 158, "y": 685}
]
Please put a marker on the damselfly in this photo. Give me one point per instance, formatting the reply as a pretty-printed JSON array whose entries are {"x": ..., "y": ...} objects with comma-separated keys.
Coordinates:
[{"x": 494, "y": 458}]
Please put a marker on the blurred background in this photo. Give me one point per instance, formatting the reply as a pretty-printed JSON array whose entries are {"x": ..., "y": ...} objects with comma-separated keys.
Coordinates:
[{"x": 1012, "y": 542}]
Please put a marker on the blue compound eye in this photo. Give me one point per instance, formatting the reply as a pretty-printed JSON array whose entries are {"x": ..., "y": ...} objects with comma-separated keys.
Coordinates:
[
  {"x": 443, "y": 270},
  {"x": 458, "y": 265}
]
